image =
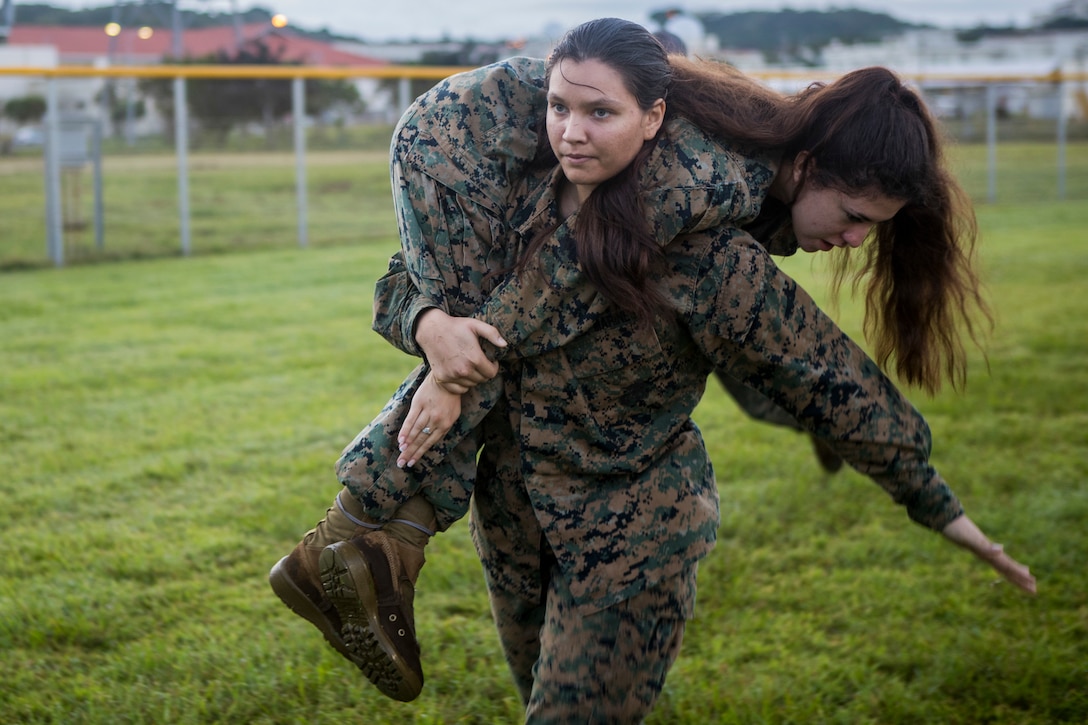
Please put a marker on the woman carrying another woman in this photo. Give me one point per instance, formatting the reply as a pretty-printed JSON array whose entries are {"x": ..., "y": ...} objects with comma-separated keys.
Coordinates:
[
  {"x": 595, "y": 499},
  {"x": 456, "y": 154}
]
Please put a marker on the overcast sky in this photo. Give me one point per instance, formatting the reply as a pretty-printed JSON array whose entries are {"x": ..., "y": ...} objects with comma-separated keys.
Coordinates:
[{"x": 500, "y": 19}]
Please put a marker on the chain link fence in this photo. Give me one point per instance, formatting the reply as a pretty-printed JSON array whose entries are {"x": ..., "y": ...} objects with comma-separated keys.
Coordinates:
[{"x": 137, "y": 174}]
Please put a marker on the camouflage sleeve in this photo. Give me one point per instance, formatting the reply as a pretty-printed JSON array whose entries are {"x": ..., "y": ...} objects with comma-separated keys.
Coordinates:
[
  {"x": 452, "y": 155},
  {"x": 754, "y": 323},
  {"x": 397, "y": 304},
  {"x": 692, "y": 182},
  {"x": 475, "y": 131}
]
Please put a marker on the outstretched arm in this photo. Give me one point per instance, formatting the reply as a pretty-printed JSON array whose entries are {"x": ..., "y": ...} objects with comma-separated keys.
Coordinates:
[
  {"x": 753, "y": 322},
  {"x": 963, "y": 532}
]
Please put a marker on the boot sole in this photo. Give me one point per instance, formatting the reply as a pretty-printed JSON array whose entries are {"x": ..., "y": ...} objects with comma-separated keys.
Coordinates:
[
  {"x": 349, "y": 585},
  {"x": 300, "y": 604}
]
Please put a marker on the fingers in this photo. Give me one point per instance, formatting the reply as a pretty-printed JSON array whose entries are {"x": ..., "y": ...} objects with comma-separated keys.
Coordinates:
[
  {"x": 453, "y": 348},
  {"x": 1014, "y": 572},
  {"x": 964, "y": 532},
  {"x": 489, "y": 333},
  {"x": 433, "y": 412},
  {"x": 416, "y": 444}
]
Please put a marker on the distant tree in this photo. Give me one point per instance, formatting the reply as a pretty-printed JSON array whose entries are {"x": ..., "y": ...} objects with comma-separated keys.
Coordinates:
[
  {"x": 221, "y": 105},
  {"x": 972, "y": 35},
  {"x": 1066, "y": 23},
  {"x": 469, "y": 54},
  {"x": 792, "y": 35},
  {"x": 120, "y": 108},
  {"x": 25, "y": 109}
]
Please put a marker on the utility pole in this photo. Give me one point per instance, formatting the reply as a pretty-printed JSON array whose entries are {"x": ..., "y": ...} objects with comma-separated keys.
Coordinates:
[
  {"x": 237, "y": 22},
  {"x": 177, "y": 46},
  {"x": 7, "y": 19}
]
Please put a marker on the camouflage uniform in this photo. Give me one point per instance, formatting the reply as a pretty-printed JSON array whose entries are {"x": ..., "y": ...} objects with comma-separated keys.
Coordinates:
[
  {"x": 596, "y": 475},
  {"x": 773, "y": 231},
  {"x": 594, "y": 496},
  {"x": 455, "y": 155}
]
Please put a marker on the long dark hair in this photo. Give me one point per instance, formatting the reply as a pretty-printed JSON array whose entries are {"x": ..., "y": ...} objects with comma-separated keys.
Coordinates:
[
  {"x": 865, "y": 131},
  {"x": 869, "y": 131},
  {"x": 615, "y": 244}
]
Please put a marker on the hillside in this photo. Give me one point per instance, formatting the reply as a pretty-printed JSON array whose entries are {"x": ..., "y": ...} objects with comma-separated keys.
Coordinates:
[
  {"x": 782, "y": 32},
  {"x": 792, "y": 32}
]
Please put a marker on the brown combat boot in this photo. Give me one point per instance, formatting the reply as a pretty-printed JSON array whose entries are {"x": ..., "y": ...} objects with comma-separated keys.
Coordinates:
[
  {"x": 295, "y": 578},
  {"x": 370, "y": 580}
]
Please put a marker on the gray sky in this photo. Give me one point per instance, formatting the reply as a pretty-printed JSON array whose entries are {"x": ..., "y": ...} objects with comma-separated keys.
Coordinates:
[{"x": 496, "y": 19}]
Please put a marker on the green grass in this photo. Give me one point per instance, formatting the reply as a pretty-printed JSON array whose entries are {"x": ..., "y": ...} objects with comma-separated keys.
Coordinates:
[
  {"x": 168, "y": 429},
  {"x": 237, "y": 202}
]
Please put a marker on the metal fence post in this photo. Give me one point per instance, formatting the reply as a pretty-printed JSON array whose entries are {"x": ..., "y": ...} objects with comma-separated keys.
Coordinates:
[
  {"x": 181, "y": 148},
  {"x": 54, "y": 222},
  {"x": 1062, "y": 138},
  {"x": 404, "y": 94},
  {"x": 991, "y": 141},
  {"x": 96, "y": 159},
  {"x": 298, "y": 112}
]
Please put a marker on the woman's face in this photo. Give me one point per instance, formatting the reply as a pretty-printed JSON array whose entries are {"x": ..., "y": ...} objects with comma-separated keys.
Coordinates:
[
  {"x": 825, "y": 218},
  {"x": 595, "y": 125}
]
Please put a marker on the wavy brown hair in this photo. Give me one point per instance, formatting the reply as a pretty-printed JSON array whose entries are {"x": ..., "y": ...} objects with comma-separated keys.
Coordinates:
[{"x": 868, "y": 131}]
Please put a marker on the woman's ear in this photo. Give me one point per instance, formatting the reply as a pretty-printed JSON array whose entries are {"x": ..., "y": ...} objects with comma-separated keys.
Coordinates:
[
  {"x": 800, "y": 167},
  {"x": 653, "y": 119}
]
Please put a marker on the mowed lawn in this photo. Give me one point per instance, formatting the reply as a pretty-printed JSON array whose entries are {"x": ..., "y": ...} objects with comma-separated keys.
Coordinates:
[{"x": 168, "y": 429}]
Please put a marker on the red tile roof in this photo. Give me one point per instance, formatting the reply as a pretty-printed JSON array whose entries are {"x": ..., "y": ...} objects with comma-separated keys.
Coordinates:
[{"x": 84, "y": 44}]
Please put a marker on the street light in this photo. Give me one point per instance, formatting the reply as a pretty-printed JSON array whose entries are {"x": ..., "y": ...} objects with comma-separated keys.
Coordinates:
[
  {"x": 279, "y": 20},
  {"x": 113, "y": 29}
]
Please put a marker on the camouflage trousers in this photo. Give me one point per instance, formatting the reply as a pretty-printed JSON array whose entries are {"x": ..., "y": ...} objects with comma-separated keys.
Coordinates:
[
  {"x": 449, "y": 248},
  {"x": 574, "y": 664},
  {"x": 445, "y": 476}
]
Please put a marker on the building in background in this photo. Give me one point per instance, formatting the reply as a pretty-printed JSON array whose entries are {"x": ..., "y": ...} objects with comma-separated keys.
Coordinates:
[{"x": 51, "y": 46}]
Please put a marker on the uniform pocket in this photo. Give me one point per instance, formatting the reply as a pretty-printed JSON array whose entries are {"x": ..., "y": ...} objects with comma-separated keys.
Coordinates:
[{"x": 619, "y": 379}]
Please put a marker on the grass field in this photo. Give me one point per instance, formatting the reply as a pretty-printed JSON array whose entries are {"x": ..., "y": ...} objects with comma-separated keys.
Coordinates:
[{"x": 168, "y": 429}]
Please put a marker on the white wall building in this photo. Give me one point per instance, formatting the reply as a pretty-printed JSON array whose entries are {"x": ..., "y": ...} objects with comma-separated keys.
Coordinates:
[{"x": 933, "y": 57}]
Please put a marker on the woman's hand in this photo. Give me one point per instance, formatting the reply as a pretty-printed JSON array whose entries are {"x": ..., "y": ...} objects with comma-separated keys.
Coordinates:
[
  {"x": 965, "y": 533},
  {"x": 433, "y": 412},
  {"x": 453, "y": 350}
]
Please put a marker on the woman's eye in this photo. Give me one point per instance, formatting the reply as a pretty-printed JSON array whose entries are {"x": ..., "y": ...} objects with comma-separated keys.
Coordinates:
[{"x": 601, "y": 113}]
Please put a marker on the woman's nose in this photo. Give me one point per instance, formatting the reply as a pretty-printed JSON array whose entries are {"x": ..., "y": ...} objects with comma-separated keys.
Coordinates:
[
  {"x": 855, "y": 235},
  {"x": 574, "y": 130}
]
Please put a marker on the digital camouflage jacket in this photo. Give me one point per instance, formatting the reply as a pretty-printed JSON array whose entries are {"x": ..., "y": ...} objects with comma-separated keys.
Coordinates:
[
  {"x": 590, "y": 445},
  {"x": 456, "y": 237}
]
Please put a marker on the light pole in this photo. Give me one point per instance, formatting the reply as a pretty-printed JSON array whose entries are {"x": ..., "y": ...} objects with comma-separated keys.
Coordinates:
[{"x": 177, "y": 47}]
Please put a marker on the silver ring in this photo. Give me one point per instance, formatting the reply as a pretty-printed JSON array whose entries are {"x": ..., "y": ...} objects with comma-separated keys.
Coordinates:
[{"x": 426, "y": 431}]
